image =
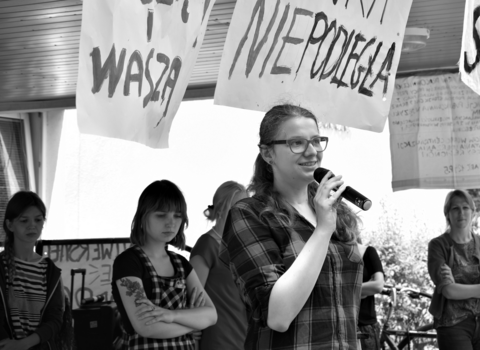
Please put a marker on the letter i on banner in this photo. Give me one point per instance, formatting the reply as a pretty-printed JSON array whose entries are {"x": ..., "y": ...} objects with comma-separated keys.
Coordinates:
[
  {"x": 470, "y": 54},
  {"x": 135, "y": 61}
]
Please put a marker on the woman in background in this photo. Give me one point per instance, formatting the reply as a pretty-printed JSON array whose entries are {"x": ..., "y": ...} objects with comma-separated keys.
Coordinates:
[
  {"x": 229, "y": 331},
  {"x": 151, "y": 284},
  {"x": 299, "y": 266},
  {"x": 373, "y": 281},
  {"x": 454, "y": 267},
  {"x": 32, "y": 303}
]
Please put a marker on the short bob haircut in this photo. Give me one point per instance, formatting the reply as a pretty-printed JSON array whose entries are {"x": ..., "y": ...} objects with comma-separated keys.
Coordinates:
[
  {"x": 460, "y": 194},
  {"x": 160, "y": 195}
]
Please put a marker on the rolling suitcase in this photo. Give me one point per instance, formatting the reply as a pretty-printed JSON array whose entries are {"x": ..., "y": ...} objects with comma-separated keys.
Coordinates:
[{"x": 96, "y": 325}]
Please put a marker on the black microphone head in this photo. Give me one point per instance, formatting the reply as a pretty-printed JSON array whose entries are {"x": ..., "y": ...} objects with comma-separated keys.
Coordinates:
[
  {"x": 320, "y": 173},
  {"x": 367, "y": 204}
]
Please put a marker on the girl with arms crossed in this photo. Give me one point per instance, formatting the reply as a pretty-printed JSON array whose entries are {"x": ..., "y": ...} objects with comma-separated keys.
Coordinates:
[{"x": 151, "y": 284}]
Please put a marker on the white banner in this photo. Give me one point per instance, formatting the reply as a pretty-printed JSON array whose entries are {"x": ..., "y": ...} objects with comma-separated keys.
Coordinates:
[
  {"x": 470, "y": 54},
  {"x": 136, "y": 58},
  {"x": 96, "y": 258},
  {"x": 434, "y": 133},
  {"x": 336, "y": 58}
]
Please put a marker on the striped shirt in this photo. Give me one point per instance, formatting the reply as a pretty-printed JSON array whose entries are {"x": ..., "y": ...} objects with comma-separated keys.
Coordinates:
[
  {"x": 27, "y": 294},
  {"x": 260, "y": 251}
]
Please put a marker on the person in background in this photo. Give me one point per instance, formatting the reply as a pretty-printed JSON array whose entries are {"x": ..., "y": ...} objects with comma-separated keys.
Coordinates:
[
  {"x": 229, "y": 332},
  {"x": 373, "y": 281},
  {"x": 454, "y": 267},
  {"x": 31, "y": 289},
  {"x": 151, "y": 284},
  {"x": 299, "y": 267}
]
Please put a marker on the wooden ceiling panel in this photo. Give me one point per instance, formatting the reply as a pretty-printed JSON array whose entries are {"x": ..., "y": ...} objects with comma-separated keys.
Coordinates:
[{"x": 39, "y": 42}]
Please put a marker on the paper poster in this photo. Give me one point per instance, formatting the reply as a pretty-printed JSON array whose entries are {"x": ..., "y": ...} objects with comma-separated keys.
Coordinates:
[
  {"x": 434, "y": 133},
  {"x": 470, "y": 53},
  {"x": 96, "y": 258},
  {"x": 136, "y": 58},
  {"x": 336, "y": 58}
]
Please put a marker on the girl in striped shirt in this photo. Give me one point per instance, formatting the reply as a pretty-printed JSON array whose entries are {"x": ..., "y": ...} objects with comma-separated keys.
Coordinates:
[{"x": 32, "y": 301}]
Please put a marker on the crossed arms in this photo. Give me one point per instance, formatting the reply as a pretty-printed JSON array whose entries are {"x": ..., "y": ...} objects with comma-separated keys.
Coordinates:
[{"x": 151, "y": 321}]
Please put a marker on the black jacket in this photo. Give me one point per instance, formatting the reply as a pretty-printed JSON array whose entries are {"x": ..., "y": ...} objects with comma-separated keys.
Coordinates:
[{"x": 52, "y": 312}]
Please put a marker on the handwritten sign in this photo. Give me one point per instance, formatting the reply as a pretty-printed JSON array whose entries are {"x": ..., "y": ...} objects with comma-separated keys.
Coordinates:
[
  {"x": 136, "y": 58},
  {"x": 97, "y": 259},
  {"x": 435, "y": 133},
  {"x": 470, "y": 54},
  {"x": 336, "y": 58}
]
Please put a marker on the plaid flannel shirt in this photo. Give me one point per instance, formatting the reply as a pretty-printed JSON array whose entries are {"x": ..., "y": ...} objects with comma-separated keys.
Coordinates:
[{"x": 259, "y": 252}]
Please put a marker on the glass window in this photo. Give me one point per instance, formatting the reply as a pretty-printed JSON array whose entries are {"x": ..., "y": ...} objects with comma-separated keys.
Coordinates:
[{"x": 13, "y": 162}]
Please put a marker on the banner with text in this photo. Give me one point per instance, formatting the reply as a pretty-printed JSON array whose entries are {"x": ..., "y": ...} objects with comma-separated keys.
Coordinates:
[
  {"x": 336, "y": 58},
  {"x": 470, "y": 53},
  {"x": 96, "y": 258},
  {"x": 136, "y": 58},
  {"x": 434, "y": 133}
]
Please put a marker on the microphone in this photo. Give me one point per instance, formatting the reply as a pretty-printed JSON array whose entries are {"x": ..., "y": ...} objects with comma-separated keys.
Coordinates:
[{"x": 349, "y": 193}]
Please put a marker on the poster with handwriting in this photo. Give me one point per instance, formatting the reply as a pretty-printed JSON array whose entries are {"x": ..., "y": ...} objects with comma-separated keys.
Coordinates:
[
  {"x": 434, "y": 133},
  {"x": 336, "y": 58},
  {"x": 136, "y": 58},
  {"x": 97, "y": 259},
  {"x": 470, "y": 53}
]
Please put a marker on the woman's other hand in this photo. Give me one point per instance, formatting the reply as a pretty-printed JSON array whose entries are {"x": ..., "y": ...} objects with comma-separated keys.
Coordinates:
[
  {"x": 446, "y": 273},
  {"x": 12, "y": 344},
  {"x": 154, "y": 314},
  {"x": 196, "y": 299}
]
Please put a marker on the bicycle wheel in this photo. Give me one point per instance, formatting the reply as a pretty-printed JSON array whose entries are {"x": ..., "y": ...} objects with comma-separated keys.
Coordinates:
[{"x": 404, "y": 342}]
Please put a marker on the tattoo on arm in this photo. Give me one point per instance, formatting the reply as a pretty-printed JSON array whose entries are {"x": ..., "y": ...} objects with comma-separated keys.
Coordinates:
[{"x": 135, "y": 289}]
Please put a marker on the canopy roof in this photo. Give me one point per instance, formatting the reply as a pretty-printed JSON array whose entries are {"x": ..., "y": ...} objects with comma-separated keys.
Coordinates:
[{"x": 39, "y": 46}]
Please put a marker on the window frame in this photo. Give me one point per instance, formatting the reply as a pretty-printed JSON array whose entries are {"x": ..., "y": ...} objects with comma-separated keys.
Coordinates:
[{"x": 27, "y": 137}]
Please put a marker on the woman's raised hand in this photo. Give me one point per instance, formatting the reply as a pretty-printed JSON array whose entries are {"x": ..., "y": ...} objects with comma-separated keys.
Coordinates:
[{"x": 326, "y": 201}]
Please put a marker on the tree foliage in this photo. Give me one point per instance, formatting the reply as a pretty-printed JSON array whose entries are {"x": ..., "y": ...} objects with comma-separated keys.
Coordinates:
[
  {"x": 475, "y": 193},
  {"x": 402, "y": 245},
  {"x": 402, "y": 248}
]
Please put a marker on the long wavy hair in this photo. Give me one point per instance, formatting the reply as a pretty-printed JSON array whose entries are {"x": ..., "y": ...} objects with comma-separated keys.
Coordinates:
[
  {"x": 262, "y": 180},
  {"x": 161, "y": 195},
  {"x": 16, "y": 206},
  {"x": 348, "y": 224}
]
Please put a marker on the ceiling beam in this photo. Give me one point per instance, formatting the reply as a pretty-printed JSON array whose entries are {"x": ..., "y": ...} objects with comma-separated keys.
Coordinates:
[
  {"x": 35, "y": 106},
  {"x": 201, "y": 92}
]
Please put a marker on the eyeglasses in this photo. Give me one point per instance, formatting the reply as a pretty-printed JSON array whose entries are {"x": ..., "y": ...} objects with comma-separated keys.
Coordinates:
[{"x": 300, "y": 145}]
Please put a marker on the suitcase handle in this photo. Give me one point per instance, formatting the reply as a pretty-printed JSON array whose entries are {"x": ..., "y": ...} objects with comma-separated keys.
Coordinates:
[{"x": 73, "y": 272}]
